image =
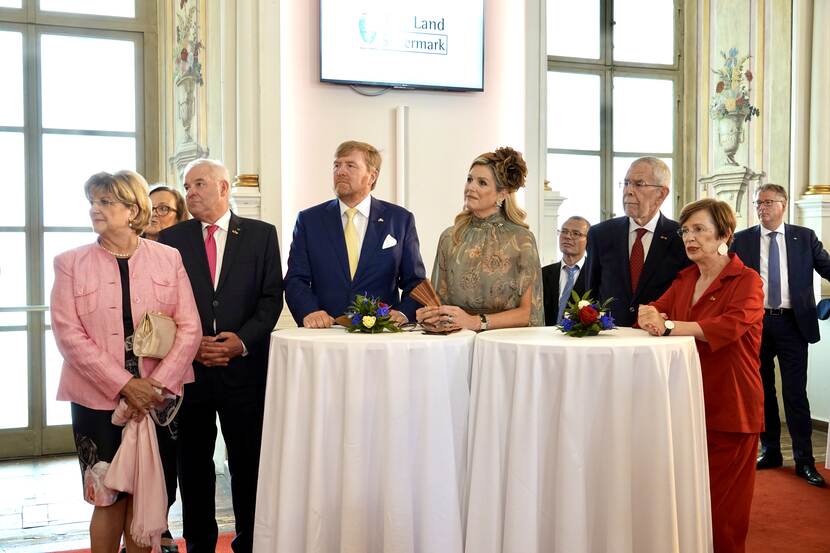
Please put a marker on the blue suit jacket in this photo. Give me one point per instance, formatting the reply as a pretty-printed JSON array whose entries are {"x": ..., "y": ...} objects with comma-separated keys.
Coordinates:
[
  {"x": 804, "y": 254},
  {"x": 609, "y": 275},
  {"x": 318, "y": 265}
]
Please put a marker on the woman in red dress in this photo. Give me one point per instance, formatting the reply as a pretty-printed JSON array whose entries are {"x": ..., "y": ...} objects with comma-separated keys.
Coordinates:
[{"x": 720, "y": 302}]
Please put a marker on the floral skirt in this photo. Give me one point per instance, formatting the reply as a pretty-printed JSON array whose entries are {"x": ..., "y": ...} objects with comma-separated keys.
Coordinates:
[{"x": 96, "y": 441}]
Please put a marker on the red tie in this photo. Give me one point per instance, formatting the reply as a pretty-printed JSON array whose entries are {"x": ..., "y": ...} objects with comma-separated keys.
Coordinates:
[
  {"x": 210, "y": 249},
  {"x": 637, "y": 258}
]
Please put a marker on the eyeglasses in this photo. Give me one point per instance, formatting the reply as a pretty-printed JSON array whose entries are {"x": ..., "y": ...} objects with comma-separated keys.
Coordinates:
[
  {"x": 163, "y": 210},
  {"x": 694, "y": 231},
  {"x": 766, "y": 203},
  {"x": 567, "y": 233},
  {"x": 104, "y": 203},
  {"x": 637, "y": 184}
]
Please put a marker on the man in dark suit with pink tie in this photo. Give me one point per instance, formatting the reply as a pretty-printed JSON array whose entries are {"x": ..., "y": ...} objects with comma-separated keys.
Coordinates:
[
  {"x": 354, "y": 244},
  {"x": 635, "y": 258}
]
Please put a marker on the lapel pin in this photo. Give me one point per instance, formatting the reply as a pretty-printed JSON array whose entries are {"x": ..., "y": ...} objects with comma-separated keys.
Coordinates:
[
  {"x": 663, "y": 237},
  {"x": 235, "y": 231},
  {"x": 380, "y": 219},
  {"x": 712, "y": 298}
]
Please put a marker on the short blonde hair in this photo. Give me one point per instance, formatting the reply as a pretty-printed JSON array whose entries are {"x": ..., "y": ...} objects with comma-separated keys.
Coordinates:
[
  {"x": 129, "y": 188},
  {"x": 370, "y": 154}
]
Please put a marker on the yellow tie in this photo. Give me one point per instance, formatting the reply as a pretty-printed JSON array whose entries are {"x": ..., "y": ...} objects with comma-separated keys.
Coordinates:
[{"x": 352, "y": 241}]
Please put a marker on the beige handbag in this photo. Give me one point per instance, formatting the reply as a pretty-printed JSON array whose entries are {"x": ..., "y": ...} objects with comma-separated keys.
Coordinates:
[{"x": 153, "y": 338}]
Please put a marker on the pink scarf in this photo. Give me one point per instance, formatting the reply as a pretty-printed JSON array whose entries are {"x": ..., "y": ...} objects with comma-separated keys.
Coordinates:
[{"x": 136, "y": 470}]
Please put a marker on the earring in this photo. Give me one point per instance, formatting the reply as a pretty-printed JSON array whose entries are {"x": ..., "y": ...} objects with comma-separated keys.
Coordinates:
[
  {"x": 499, "y": 202},
  {"x": 130, "y": 224},
  {"x": 723, "y": 249}
]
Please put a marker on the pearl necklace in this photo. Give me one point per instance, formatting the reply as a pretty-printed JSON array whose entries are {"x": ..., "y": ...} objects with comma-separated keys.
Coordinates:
[{"x": 120, "y": 255}]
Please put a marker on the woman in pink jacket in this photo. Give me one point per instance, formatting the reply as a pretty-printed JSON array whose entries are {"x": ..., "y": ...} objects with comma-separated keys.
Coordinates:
[{"x": 101, "y": 292}]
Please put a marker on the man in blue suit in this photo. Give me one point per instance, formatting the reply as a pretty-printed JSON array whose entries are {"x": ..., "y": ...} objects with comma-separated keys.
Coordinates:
[
  {"x": 635, "y": 258},
  {"x": 352, "y": 245},
  {"x": 785, "y": 257}
]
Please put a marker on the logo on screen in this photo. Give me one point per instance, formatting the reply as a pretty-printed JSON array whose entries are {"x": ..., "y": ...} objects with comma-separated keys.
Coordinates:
[{"x": 366, "y": 32}]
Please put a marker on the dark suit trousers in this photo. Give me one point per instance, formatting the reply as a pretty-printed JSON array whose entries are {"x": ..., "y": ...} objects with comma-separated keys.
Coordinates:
[
  {"x": 782, "y": 339},
  {"x": 240, "y": 414}
]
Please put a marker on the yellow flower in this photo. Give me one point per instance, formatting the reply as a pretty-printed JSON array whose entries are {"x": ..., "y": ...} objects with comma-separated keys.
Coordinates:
[{"x": 368, "y": 321}]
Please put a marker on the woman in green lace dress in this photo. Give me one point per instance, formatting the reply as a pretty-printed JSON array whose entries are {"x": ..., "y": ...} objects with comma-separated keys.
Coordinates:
[{"x": 487, "y": 271}]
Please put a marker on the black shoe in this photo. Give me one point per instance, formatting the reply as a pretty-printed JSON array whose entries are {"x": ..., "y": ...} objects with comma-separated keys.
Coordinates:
[
  {"x": 810, "y": 474},
  {"x": 769, "y": 460}
]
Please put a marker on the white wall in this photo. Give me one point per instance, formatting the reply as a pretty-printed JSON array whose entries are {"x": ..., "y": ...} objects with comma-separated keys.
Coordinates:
[{"x": 446, "y": 130}]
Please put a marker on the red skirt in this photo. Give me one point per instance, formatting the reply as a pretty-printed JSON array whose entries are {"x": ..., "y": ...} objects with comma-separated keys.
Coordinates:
[{"x": 731, "y": 484}]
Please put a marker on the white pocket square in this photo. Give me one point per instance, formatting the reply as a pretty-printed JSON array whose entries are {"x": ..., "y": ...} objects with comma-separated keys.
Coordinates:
[{"x": 389, "y": 241}]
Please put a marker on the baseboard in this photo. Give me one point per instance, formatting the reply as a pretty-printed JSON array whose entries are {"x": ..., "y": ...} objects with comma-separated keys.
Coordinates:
[{"x": 820, "y": 425}]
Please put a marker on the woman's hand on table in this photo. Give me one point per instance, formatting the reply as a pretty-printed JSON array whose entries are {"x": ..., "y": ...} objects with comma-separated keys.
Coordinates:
[
  {"x": 447, "y": 317},
  {"x": 651, "y": 320}
]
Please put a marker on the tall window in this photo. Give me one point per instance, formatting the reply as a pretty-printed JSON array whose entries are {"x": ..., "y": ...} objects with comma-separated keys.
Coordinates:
[
  {"x": 613, "y": 95},
  {"x": 71, "y": 105}
]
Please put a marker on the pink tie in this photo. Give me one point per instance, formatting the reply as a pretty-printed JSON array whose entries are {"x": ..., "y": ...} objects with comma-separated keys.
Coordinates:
[{"x": 210, "y": 249}]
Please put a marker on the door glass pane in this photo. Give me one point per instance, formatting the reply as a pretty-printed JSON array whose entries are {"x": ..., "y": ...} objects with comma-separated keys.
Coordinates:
[
  {"x": 11, "y": 3},
  {"x": 14, "y": 393},
  {"x": 57, "y": 412},
  {"x": 621, "y": 165},
  {"x": 577, "y": 178},
  {"x": 573, "y": 28},
  {"x": 643, "y": 115},
  {"x": 59, "y": 242},
  {"x": 68, "y": 161},
  {"x": 88, "y": 83},
  {"x": 12, "y": 161},
  {"x": 116, "y": 8},
  {"x": 11, "y": 67},
  {"x": 573, "y": 111},
  {"x": 13, "y": 276},
  {"x": 644, "y": 31}
]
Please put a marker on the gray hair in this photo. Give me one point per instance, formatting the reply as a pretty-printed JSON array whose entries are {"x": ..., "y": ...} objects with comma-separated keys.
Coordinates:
[
  {"x": 774, "y": 188},
  {"x": 579, "y": 218},
  {"x": 217, "y": 168},
  {"x": 661, "y": 171}
]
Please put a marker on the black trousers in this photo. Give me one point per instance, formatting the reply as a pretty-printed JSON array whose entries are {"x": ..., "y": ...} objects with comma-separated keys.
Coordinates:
[
  {"x": 167, "y": 452},
  {"x": 240, "y": 413},
  {"x": 782, "y": 339}
]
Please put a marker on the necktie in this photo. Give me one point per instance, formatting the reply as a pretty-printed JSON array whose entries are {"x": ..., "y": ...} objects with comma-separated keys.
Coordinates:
[
  {"x": 566, "y": 291},
  {"x": 352, "y": 241},
  {"x": 773, "y": 273},
  {"x": 636, "y": 259},
  {"x": 210, "y": 249}
]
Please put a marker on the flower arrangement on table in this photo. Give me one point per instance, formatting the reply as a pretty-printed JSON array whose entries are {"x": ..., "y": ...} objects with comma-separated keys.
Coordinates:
[
  {"x": 370, "y": 316},
  {"x": 586, "y": 317},
  {"x": 732, "y": 91}
]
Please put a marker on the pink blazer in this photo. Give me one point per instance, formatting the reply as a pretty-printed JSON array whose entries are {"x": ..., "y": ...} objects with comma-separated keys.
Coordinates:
[{"x": 88, "y": 326}]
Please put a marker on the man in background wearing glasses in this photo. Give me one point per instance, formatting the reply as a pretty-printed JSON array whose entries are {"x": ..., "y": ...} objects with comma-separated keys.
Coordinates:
[
  {"x": 635, "y": 258},
  {"x": 785, "y": 257},
  {"x": 559, "y": 279}
]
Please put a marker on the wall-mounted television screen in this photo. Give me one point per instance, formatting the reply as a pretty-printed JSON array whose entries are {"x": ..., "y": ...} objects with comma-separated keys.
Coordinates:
[{"x": 403, "y": 44}]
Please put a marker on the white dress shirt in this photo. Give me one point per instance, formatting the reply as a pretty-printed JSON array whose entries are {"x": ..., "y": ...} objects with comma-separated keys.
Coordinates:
[
  {"x": 361, "y": 218},
  {"x": 651, "y": 226},
  {"x": 782, "y": 257},
  {"x": 563, "y": 274}
]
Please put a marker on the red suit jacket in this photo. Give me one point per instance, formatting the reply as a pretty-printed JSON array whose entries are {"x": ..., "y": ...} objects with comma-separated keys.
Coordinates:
[{"x": 731, "y": 314}]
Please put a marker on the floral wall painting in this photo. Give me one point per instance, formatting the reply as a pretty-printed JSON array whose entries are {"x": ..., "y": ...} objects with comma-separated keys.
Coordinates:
[
  {"x": 187, "y": 67},
  {"x": 731, "y": 105}
]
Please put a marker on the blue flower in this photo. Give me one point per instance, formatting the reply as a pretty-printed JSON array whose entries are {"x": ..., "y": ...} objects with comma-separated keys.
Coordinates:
[
  {"x": 567, "y": 324},
  {"x": 383, "y": 310},
  {"x": 733, "y": 52},
  {"x": 356, "y": 318},
  {"x": 607, "y": 321}
]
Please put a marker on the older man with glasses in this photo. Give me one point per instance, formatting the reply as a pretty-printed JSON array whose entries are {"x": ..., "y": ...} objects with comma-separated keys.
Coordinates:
[
  {"x": 561, "y": 278},
  {"x": 635, "y": 258},
  {"x": 785, "y": 256}
]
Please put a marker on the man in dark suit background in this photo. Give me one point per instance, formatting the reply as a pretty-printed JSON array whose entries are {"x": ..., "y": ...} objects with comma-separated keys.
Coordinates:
[
  {"x": 561, "y": 278},
  {"x": 635, "y": 258},
  {"x": 785, "y": 256},
  {"x": 234, "y": 269},
  {"x": 354, "y": 244}
]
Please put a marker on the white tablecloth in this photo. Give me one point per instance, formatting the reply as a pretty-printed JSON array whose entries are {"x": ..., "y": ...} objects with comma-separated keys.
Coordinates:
[
  {"x": 364, "y": 443},
  {"x": 586, "y": 445}
]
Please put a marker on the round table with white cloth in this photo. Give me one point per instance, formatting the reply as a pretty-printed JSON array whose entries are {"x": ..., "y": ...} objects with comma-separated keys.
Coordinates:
[
  {"x": 363, "y": 443},
  {"x": 590, "y": 445}
]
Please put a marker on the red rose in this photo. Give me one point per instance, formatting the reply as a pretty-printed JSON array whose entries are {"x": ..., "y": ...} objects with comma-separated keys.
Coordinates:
[
  {"x": 748, "y": 75},
  {"x": 719, "y": 87},
  {"x": 739, "y": 101},
  {"x": 183, "y": 55},
  {"x": 588, "y": 315}
]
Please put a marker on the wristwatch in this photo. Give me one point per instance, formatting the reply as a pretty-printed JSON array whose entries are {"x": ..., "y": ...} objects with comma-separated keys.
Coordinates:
[
  {"x": 484, "y": 322},
  {"x": 669, "y": 327}
]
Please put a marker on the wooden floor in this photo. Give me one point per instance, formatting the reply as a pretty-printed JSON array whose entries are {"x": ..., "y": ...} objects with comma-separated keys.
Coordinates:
[{"x": 41, "y": 508}]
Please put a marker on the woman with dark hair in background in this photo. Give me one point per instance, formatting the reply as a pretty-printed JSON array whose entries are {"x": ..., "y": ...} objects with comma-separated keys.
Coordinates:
[
  {"x": 487, "y": 271},
  {"x": 169, "y": 208}
]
